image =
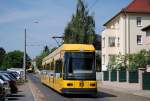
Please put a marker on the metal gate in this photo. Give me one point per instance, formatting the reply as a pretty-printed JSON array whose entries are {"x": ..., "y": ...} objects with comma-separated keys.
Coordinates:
[
  {"x": 146, "y": 81},
  {"x": 122, "y": 76},
  {"x": 133, "y": 77},
  {"x": 113, "y": 75},
  {"x": 106, "y": 75}
]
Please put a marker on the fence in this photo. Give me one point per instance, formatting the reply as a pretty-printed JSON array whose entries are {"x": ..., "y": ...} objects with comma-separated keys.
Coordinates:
[
  {"x": 106, "y": 76},
  {"x": 136, "y": 80},
  {"x": 113, "y": 75},
  {"x": 133, "y": 77},
  {"x": 121, "y": 76},
  {"x": 146, "y": 80}
]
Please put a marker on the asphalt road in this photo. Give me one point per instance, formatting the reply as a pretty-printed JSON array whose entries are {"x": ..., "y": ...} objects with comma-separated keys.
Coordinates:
[{"x": 103, "y": 94}]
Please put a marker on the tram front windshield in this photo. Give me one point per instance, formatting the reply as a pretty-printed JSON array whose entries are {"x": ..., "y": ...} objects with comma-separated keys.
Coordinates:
[{"x": 79, "y": 64}]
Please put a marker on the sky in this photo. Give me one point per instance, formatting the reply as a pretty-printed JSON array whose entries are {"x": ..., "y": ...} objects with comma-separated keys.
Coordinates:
[{"x": 52, "y": 17}]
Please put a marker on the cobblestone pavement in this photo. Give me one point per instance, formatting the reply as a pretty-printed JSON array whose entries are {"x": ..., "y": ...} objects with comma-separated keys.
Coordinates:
[{"x": 103, "y": 94}]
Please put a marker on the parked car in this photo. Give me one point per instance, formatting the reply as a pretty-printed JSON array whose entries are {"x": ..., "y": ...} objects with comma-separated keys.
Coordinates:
[
  {"x": 6, "y": 88},
  {"x": 2, "y": 91},
  {"x": 20, "y": 71},
  {"x": 12, "y": 82},
  {"x": 14, "y": 75}
]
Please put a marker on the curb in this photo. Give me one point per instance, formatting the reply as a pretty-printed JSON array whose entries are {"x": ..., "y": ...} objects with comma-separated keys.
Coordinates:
[{"x": 126, "y": 92}]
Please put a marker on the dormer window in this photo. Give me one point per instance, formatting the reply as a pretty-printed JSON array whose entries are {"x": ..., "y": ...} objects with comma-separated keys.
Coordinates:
[{"x": 139, "y": 21}]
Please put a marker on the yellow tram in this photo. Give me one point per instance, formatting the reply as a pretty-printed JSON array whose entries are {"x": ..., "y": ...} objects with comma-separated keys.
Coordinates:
[{"x": 70, "y": 69}]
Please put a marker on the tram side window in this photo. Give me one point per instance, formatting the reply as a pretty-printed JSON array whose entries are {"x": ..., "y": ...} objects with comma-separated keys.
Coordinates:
[
  {"x": 58, "y": 66},
  {"x": 52, "y": 65},
  {"x": 47, "y": 67}
]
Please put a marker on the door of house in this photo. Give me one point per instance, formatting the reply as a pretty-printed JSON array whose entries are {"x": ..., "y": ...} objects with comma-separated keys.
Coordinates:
[{"x": 146, "y": 81}]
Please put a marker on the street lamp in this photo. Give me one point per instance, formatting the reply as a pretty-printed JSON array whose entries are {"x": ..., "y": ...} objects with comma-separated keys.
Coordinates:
[
  {"x": 24, "y": 59},
  {"x": 25, "y": 45}
]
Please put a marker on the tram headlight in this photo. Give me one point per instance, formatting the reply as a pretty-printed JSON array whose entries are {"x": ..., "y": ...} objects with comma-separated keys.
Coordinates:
[
  {"x": 69, "y": 84},
  {"x": 92, "y": 84}
]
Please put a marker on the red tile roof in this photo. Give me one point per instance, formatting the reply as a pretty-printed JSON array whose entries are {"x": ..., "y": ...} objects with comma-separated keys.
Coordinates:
[{"x": 136, "y": 6}]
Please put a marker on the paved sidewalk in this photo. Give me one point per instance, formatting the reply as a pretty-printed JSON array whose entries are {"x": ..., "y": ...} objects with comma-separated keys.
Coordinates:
[
  {"x": 144, "y": 93},
  {"x": 24, "y": 94}
]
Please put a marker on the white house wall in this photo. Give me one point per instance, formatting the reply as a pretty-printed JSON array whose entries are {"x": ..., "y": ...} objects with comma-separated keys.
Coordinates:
[
  {"x": 126, "y": 28},
  {"x": 135, "y": 30}
]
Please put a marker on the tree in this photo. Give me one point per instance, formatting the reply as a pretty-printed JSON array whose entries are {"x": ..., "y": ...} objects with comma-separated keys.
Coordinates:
[
  {"x": 39, "y": 58},
  {"x": 13, "y": 59},
  {"x": 46, "y": 50},
  {"x": 131, "y": 61},
  {"x": 53, "y": 49},
  {"x": 148, "y": 58},
  {"x": 97, "y": 42},
  {"x": 2, "y": 55},
  {"x": 112, "y": 64},
  {"x": 140, "y": 59},
  {"x": 81, "y": 28}
]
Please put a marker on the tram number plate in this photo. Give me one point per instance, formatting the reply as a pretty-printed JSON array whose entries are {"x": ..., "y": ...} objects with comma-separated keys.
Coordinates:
[{"x": 81, "y": 83}]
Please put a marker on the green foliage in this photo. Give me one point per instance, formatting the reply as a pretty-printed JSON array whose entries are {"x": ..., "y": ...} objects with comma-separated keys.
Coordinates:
[
  {"x": 131, "y": 61},
  {"x": 2, "y": 55},
  {"x": 53, "y": 49},
  {"x": 13, "y": 59},
  {"x": 39, "y": 61},
  {"x": 46, "y": 50},
  {"x": 39, "y": 58},
  {"x": 140, "y": 59},
  {"x": 112, "y": 64},
  {"x": 97, "y": 42},
  {"x": 81, "y": 28},
  {"x": 148, "y": 57}
]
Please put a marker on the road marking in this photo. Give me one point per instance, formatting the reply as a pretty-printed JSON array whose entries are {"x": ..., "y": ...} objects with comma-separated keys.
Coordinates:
[
  {"x": 38, "y": 96},
  {"x": 35, "y": 99}
]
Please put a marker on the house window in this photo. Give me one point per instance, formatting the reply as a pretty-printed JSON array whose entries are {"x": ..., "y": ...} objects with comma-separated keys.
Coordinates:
[
  {"x": 139, "y": 21},
  {"x": 103, "y": 59},
  {"x": 139, "y": 39},
  {"x": 111, "y": 42},
  {"x": 103, "y": 43}
]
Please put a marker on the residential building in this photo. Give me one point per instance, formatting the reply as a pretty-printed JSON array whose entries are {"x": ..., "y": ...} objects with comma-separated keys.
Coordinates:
[
  {"x": 122, "y": 33},
  {"x": 147, "y": 38}
]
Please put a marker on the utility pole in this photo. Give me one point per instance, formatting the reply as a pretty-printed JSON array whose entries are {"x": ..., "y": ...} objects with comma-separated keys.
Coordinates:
[{"x": 24, "y": 59}]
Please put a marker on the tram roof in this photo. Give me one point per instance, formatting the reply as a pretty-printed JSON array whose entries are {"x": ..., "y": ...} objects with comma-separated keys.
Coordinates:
[
  {"x": 77, "y": 47},
  {"x": 71, "y": 47}
]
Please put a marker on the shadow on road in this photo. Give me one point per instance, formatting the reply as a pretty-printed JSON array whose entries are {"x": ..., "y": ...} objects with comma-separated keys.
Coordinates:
[
  {"x": 14, "y": 97},
  {"x": 98, "y": 95},
  {"x": 17, "y": 95},
  {"x": 103, "y": 95}
]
